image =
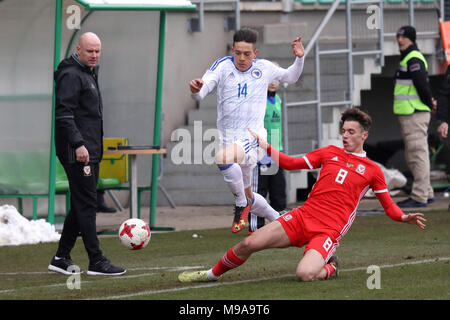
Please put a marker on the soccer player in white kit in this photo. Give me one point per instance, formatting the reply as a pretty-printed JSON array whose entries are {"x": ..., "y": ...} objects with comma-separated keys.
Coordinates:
[{"x": 242, "y": 81}]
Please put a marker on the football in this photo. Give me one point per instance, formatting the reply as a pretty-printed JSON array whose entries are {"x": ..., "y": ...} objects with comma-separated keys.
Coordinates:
[{"x": 134, "y": 234}]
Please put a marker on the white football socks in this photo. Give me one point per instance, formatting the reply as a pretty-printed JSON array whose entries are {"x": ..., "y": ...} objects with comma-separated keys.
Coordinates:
[
  {"x": 261, "y": 208},
  {"x": 232, "y": 175}
]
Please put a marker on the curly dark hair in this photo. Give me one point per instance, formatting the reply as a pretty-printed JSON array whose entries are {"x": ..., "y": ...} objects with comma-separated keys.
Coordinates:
[{"x": 355, "y": 114}]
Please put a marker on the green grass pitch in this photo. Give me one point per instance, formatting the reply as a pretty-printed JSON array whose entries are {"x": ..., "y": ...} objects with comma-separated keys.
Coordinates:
[{"x": 413, "y": 264}]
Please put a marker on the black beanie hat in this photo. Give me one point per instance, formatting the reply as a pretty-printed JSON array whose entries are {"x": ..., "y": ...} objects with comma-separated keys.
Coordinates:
[{"x": 408, "y": 32}]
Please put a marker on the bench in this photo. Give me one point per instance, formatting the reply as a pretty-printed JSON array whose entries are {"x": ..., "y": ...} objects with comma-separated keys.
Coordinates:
[
  {"x": 62, "y": 184},
  {"x": 25, "y": 174},
  {"x": 22, "y": 176}
]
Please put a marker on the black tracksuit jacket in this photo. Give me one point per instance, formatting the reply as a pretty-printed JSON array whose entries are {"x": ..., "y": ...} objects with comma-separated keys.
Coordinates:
[
  {"x": 78, "y": 111},
  {"x": 443, "y": 99}
]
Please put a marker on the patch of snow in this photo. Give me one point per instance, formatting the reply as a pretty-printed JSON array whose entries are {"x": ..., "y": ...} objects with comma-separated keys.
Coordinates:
[{"x": 16, "y": 229}]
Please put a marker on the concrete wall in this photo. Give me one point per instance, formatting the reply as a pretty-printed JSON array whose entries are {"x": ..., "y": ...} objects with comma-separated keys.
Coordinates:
[{"x": 188, "y": 56}]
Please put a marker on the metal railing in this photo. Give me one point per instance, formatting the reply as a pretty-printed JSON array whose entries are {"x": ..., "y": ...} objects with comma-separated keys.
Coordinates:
[
  {"x": 201, "y": 14},
  {"x": 318, "y": 53},
  {"x": 314, "y": 43},
  {"x": 350, "y": 54}
]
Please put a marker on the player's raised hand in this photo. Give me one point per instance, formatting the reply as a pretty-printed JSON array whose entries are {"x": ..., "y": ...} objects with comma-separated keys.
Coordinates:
[
  {"x": 297, "y": 47},
  {"x": 415, "y": 218},
  {"x": 195, "y": 85},
  {"x": 262, "y": 143}
]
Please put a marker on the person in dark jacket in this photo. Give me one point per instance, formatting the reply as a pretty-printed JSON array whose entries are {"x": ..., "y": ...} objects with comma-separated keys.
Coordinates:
[
  {"x": 413, "y": 103},
  {"x": 443, "y": 110},
  {"x": 79, "y": 147}
]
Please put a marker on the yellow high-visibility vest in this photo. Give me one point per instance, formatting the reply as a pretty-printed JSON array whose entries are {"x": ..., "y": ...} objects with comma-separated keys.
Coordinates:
[{"x": 406, "y": 98}]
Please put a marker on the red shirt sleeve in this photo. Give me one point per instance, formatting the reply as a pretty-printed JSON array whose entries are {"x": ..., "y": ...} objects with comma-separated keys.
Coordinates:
[
  {"x": 380, "y": 189},
  {"x": 389, "y": 206},
  {"x": 285, "y": 161}
]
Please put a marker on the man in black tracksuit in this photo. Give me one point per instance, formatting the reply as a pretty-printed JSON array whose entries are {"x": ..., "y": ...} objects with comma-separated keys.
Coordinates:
[{"x": 79, "y": 147}]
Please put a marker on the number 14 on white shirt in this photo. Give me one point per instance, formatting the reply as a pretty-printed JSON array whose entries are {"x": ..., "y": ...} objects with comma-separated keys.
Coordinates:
[{"x": 242, "y": 90}]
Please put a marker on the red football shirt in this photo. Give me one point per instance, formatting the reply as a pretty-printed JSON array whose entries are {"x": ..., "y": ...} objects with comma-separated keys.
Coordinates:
[{"x": 343, "y": 180}]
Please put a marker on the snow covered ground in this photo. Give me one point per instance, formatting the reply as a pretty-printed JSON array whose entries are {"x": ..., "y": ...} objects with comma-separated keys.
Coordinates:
[{"x": 16, "y": 229}]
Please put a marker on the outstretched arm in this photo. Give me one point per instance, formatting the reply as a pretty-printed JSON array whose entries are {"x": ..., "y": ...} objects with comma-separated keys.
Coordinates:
[
  {"x": 283, "y": 160},
  {"x": 293, "y": 72},
  {"x": 395, "y": 213}
]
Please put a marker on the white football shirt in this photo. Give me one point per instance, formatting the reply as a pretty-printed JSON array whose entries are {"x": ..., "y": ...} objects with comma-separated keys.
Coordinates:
[{"x": 242, "y": 95}]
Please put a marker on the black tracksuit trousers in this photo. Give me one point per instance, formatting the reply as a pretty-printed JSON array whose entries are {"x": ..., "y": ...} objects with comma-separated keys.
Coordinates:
[{"x": 83, "y": 210}]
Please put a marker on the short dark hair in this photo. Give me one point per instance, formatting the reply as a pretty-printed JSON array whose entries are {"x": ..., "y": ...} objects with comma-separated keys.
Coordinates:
[
  {"x": 355, "y": 114},
  {"x": 246, "y": 35}
]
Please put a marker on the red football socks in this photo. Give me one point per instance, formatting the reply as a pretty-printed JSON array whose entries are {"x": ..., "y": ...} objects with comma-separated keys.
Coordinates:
[
  {"x": 229, "y": 261},
  {"x": 330, "y": 270}
]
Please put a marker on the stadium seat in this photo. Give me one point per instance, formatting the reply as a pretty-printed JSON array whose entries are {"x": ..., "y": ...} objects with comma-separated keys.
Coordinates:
[
  {"x": 33, "y": 179},
  {"x": 108, "y": 183},
  {"x": 61, "y": 182},
  {"x": 9, "y": 182}
]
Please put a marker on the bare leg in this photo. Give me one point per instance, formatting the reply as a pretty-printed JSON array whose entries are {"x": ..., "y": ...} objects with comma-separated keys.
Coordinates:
[
  {"x": 232, "y": 153},
  {"x": 271, "y": 235},
  {"x": 311, "y": 266},
  {"x": 249, "y": 192}
]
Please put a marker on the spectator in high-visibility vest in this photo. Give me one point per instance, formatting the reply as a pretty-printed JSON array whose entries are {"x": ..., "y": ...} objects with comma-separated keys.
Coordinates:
[{"x": 413, "y": 103}]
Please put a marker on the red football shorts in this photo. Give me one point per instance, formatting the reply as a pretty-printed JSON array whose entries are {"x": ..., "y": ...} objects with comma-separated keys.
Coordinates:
[{"x": 308, "y": 233}]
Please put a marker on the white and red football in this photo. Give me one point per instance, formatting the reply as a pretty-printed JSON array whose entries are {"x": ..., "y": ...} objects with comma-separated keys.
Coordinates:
[{"x": 134, "y": 234}]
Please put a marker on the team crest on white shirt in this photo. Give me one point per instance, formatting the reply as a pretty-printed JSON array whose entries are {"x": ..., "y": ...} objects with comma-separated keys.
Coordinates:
[
  {"x": 360, "y": 168},
  {"x": 256, "y": 73}
]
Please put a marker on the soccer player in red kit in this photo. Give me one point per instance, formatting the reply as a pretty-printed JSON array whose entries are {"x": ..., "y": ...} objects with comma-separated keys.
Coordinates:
[{"x": 346, "y": 174}]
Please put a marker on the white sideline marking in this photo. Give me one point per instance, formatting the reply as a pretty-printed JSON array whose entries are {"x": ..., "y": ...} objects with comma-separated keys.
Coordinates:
[
  {"x": 386, "y": 266},
  {"x": 25, "y": 273},
  {"x": 215, "y": 284},
  {"x": 64, "y": 284},
  {"x": 182, "y": 268},
  {"x": 130, "y": 269}
]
